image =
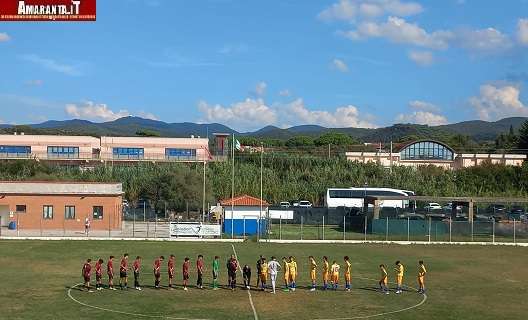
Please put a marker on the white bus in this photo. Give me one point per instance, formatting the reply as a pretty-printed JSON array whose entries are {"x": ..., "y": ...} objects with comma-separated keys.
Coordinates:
[{"x": 353, "y": 197}]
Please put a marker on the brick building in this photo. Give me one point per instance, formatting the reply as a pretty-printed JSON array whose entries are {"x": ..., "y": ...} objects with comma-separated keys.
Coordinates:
[{"x": 50, "y": 205}]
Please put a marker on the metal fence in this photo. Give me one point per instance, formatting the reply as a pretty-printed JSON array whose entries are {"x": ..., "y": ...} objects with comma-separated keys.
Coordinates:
[{"x": 402, "y": 229}]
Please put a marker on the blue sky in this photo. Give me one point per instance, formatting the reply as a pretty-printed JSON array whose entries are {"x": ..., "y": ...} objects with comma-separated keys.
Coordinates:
[{"x": 248, "y": 64}]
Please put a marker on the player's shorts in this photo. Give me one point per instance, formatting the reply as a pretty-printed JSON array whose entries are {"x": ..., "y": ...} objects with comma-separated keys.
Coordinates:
[
  {"x": 171, "y": 275},
  {"x": 287, "y": 276},
  {"x": 384, "y": 281},
  {"x": 122, "y": 274},
  {"x": 215, "y": 275},
  {"x": 335, "y": 277},
  {"x": 110, "y": 276},
  {"x": 399, "y": 280},
  {"x": 421, "y": 280},
  {"x": 325, "y": 276},
  {"x": 263, "y": 277},
  {"x": 347, "y": 277},
  {"x": 98, "y": 277},
  {"x": 157, "y": 275},
  {"x": 231, "y": 274},
  {"x": 293, "y": 276},
  {"x": 86, "y": 278},
  {"x": 185, "y": 276},
  {"x": 313, "y": 275}
]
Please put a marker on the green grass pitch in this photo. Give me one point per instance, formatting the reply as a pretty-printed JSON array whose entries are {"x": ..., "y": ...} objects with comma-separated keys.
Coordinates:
[{"x": 464, "y": 282}]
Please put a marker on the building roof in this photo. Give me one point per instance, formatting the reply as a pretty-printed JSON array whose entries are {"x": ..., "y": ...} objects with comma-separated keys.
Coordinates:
[
  {"x": 244, "y": 200},
  {"x": 60, "y": 188}
]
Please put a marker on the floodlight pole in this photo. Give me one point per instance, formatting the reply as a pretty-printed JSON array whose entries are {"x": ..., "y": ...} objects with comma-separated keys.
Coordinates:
[
  {"x": 261, "y": 200},
  {"x": 233, "y": 186},
  {"x": 203, "y": 198}
]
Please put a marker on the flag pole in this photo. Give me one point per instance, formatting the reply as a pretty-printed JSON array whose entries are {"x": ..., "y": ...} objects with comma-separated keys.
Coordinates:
[{"x": 232, "y": 185}]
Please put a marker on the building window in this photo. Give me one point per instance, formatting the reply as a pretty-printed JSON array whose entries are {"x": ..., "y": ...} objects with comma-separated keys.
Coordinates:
[
  {"x": 128, "y": 153},
  {"x": 63, "y": 152},
  {"x": 15, "y": 151},
  {"x": 47, "y": 212},
  {"x": 69, "y": 212},
  {"x": 183, "y": 154},
  {"x": 98, "y": 212},
  {"x": 426, "y": 150},
  {"x": 21, "y": 208}
]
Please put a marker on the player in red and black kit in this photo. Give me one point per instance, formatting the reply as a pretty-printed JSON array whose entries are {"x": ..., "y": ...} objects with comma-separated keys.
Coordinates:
[
  {"x": 99, "y": 275},
  {"x": 232, "y": 266},
  {"x": 185, "y": 269},
  {"x": 200, "y": 271},
  {"x": 87, "y": 274},
  {"x": 123, "y": 272},
  {"x": 170, "y": 270},
  {"x": 136, "y": 267},
  {"x": 110, "y": 272},
  {"x": 157, "y": 271}
]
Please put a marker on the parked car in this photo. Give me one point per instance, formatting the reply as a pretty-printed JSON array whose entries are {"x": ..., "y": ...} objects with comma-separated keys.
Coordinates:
[
  {"x": 305, "y": 204},
  {"x": 496, "y": 211},
  {"x": 294, "y": 203},
  {"x": 412, "y": 216},
  {"x": 449, "y": 207},
  {"x": 433, "y": 206},
  {"x": 285, "y": 204},
  {"x": 517, "y": 213}
]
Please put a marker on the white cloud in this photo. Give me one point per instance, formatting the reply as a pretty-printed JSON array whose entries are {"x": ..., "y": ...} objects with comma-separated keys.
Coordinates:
[
  {"x": 497, "y": 102},
  {"x": 349, "y": 10},
  {"x": 247, "y": 114},
  {"x": 94, "y": 111},
  {"x": 285, "y": 93},
  {"x": 260, "y": 88},
  {"x": 52, "y": 65},
  {"x": 423, "y": 106},
  {"x": 423, "y": 58},
  {"x": 397, "y": 30},
  {"x": 522, "y": 31},
  {"x": 339, "y": 65},
  {"x": 147, "y": 115},
  {"x": 422, "y": 117},
  {"x": 346, "y": 116},
  {"x": 487, "y": 40},
  {"x": 4, "y": 37}
]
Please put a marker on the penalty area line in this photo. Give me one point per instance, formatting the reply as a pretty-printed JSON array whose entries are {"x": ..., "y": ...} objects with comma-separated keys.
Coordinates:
[
  {"x": 255, "y": 315},
  {"x": 383, "y": 313},
  {"x": 122, "y": 312}
]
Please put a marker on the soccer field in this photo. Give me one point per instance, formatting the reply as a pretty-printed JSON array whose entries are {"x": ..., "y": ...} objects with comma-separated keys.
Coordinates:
[{"x": 37, "y": 281}]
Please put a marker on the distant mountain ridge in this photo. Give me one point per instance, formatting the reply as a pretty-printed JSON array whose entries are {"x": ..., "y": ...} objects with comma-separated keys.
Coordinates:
[{"x": 478, "y": 130}]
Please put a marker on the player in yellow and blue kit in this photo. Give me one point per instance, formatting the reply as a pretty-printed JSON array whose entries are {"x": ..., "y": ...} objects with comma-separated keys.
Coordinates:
[
  {"x": 326, "y": 270},
  {"x": 399, "y": 276},
  {"x": 347, "y": 273},
  {"x": 421, "y": 276},
  {"x": 384, "y": 280},
  {"x": 313, "y": 270},
  {"x": 293, "y": 273},
  {"x": 286, "y": 268}
]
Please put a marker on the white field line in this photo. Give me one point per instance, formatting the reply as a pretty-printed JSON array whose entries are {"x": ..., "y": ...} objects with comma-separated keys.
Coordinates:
[
  {"x": 518, "y": 244},
  {"x": 383, "y": 313},
  {"x": 121, "y": 239},
  {"x": 255, "y": 315},
  {"x": 123, "y": 312}
]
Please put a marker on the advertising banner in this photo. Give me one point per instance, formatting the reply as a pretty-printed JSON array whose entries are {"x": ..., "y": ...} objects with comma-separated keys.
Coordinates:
[
  {"x": 47, "y": 10},
  {"x": 194, "y": 230}
]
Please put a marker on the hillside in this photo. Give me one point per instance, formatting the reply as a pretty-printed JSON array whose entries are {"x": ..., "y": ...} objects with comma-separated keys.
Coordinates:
[{"x": 477, "y": 130}]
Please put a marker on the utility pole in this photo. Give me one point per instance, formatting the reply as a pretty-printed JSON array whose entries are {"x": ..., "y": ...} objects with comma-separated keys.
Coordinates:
[
  {"x": 391, "y": 157},
  {"x": 261, "y": 200},
  {"x": 203, "y": 199}
]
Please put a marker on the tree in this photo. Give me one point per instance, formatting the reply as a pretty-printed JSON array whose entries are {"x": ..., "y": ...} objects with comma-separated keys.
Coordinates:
[
  {"x": 523, "y": 137},
  {"x": 147, "y": 133},
  {"x": 335, "y": 138},
  {"x": 300, "y": 141}
]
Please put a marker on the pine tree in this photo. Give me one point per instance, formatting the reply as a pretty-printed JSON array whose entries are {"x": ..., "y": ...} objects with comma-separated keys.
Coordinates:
[{"x": 523, "y": 137}]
